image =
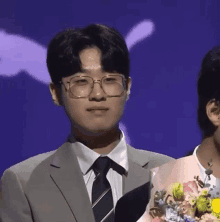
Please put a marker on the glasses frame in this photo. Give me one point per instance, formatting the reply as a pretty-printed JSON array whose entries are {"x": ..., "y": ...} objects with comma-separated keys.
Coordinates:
[{"x": 124, "y": 80}]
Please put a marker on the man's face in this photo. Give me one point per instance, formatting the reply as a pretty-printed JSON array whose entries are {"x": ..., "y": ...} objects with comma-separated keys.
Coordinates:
[{"x": 78, "y": 109}]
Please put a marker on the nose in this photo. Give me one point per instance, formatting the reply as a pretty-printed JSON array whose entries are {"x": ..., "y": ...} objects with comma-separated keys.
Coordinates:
[{"x": 97, "y": 92}]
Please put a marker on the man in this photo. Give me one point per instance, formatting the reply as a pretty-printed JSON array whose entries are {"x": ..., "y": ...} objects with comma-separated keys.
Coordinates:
[
  {"x": 132, "y": 206},
  {"x": 83, "y": 179}
]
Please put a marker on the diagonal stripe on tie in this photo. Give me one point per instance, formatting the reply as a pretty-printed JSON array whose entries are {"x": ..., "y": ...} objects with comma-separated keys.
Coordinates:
[
  {"x": 101, "y": 211},
  {"x": 109, "y": 217},
  {"x": 102, "y": 195},
  {"x": 102, "y": 200}
]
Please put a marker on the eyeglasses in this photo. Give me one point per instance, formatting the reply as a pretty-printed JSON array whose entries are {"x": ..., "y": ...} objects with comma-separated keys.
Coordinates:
[{"x": 113, "y": 85}]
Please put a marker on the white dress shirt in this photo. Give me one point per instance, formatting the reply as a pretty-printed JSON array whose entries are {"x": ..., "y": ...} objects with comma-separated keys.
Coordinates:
[
  {"x": 86, "y": 157},
  {"x": 213, "y": 183}
]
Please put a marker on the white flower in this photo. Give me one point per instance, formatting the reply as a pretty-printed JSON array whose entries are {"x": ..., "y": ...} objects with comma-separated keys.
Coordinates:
[
  {"x": 190, "y": 219},
  {"x": 170, "y": 214},
  {"x": 179, "y": 219},
  {"x": 161, "y": 203}
]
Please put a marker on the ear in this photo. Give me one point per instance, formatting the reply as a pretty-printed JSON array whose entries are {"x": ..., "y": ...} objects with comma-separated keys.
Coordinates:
[
  {"x": 56, "y": 94},
  {"x": 128, "y": 87},
  {"x": 213, "y": 112}
]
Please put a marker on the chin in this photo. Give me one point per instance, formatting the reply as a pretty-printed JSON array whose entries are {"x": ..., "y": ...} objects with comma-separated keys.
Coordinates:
[{"x": 98, "y": 129}]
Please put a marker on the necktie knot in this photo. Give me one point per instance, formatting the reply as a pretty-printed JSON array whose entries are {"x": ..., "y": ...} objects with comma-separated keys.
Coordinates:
[{"x": 102, "y": 165}]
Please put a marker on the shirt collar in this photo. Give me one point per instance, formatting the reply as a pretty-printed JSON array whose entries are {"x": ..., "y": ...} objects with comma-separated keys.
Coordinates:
[
  {"x": 86, "y": 156},
  {"x": 195, "y": 155}
]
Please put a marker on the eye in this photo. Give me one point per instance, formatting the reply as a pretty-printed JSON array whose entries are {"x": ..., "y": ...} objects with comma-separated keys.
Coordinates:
[
  {"x": 81, "y": 82},
  {"x": 110, "y": 80}
]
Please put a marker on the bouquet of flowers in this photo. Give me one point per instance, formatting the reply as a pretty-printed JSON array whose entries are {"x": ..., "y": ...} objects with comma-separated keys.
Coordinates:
[{"x": 178, "y": 194}]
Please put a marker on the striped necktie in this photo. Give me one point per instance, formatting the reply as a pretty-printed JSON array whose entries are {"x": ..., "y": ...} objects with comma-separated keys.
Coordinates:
[{"x": 102, "y": 200}]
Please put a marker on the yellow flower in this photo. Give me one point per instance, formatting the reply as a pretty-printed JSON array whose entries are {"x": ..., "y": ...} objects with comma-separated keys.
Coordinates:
[
  {"x": 205, "y": 192},
  {"x": 192, "y": 200},
  {"x": 201, "y": 203},
  {"x": 177, "y": 190},
  {"x": 216, "y": 205}
]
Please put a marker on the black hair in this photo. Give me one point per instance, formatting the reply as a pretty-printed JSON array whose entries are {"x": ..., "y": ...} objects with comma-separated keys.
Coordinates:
[
  {"x": 63, "y": 51},
  {"x": 208, "y": 88}
]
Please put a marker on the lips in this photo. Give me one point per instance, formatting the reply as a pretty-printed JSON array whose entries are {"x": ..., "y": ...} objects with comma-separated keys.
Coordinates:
[{"x": 97, "y": 108}]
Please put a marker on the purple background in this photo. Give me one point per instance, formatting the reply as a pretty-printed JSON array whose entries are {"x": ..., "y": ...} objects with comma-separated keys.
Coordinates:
[{"x": 161, "y": 113}]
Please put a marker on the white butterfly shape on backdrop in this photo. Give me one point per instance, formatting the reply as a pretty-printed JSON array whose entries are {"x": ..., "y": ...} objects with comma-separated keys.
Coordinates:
[{"x": 18, "y": 53}]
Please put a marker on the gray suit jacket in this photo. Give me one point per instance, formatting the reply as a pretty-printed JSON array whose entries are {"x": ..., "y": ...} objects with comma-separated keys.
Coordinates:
[{"x": 50, "y": 188}]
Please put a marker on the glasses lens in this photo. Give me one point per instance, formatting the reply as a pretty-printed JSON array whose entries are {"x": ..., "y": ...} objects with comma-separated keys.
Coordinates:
[
  {"x": 81, "y": 86},
  {"x": 113, "y": 85}
]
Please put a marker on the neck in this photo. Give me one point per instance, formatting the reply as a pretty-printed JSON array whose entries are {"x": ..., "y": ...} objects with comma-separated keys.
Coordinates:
[
  {"x": 100, "y": 142},
  {"x": 210, "y": 149}
]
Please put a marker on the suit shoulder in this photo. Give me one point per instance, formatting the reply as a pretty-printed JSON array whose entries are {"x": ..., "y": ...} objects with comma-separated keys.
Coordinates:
[
  {"x": 148, "y": 156},
  {"x": 24, "y": 169}
]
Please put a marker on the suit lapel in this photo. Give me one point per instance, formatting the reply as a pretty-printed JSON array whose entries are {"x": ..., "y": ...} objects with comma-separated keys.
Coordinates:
[
  {"x": 137, "y": 175},
  {"x": 68, "y": 178}
]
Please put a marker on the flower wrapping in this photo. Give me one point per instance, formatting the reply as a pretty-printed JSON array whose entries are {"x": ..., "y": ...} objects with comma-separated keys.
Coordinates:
[{"x": 178, "y": 194}]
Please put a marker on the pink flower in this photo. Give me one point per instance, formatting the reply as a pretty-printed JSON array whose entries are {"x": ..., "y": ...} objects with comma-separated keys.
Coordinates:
[
  {"x": 156, "y": 219},
  {"x": 159, "y": 219},
  {"x": 209, "y": 218},
  {"x": 190, "y": 187}
]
